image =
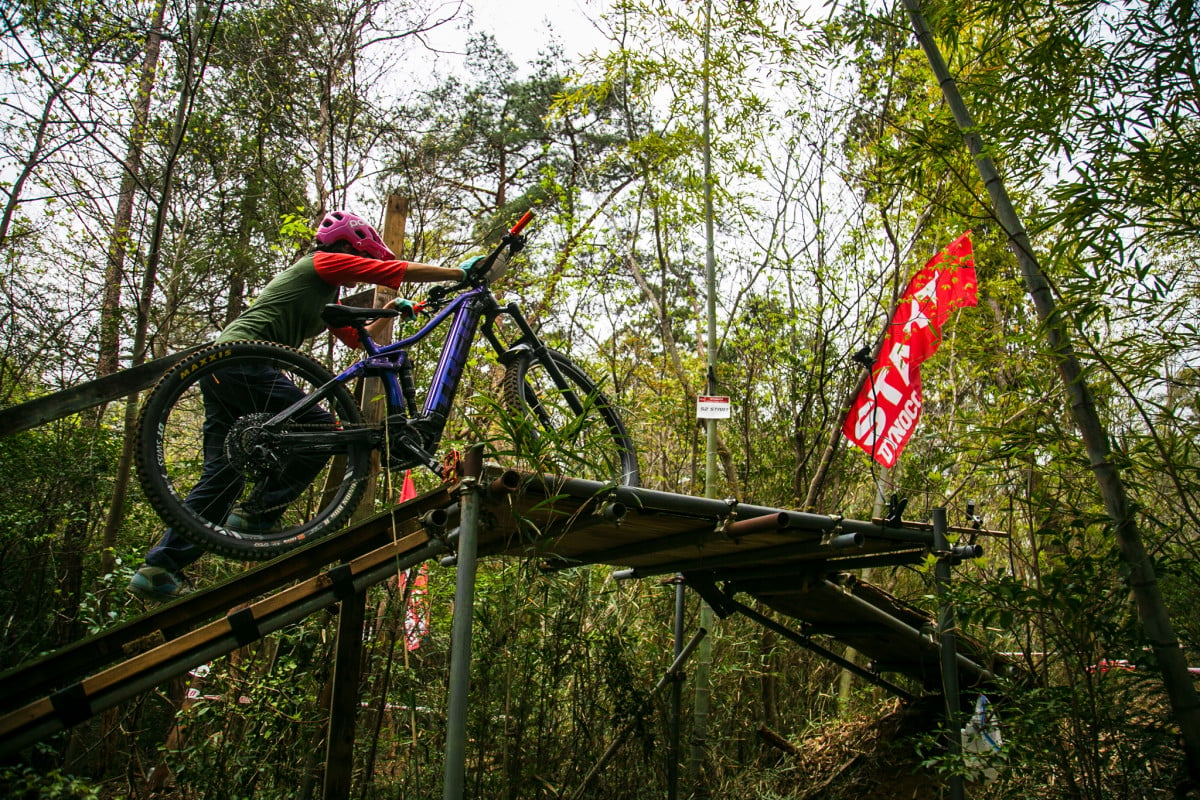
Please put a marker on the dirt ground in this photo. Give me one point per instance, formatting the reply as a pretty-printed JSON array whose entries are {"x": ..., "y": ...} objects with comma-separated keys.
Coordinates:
[{"x": 864, "y": 759}]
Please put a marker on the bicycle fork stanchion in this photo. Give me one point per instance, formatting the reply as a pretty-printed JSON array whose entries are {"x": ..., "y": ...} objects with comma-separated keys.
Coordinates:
[
  {"x": 460, "y": 632},
  {"x": 949, "y": 651}
]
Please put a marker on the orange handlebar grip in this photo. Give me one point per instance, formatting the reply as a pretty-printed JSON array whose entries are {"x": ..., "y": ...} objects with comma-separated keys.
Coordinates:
[{"x": 521, "y": 223}]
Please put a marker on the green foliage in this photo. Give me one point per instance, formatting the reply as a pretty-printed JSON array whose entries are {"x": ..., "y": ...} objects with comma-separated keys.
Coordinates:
[
  {"x": 257, "y": 716},
  {"x": 24, "y": 783},
  {"x": 294, "y": 227},
  {"x": 46, "y": 566}
]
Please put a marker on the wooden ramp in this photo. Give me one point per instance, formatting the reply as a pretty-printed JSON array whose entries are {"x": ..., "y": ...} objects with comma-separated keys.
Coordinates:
[
  {"x": 794, "y": 564},
  {"x": 77, "y": 682}
]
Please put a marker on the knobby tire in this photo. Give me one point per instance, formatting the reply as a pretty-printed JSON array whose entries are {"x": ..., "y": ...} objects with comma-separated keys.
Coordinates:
[
  {"x": 170, "y": 452},
  {"x": 554, "y": 438}
]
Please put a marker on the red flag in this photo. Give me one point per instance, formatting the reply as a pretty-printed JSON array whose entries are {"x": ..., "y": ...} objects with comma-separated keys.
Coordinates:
[
  {"x": 416, "y": 611},
  {"x": 407, "y": 489},
  {"x": 885, "y": 413}
]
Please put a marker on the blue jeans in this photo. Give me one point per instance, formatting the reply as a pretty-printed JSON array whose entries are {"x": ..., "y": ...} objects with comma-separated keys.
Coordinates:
[{"x": 230, "y": 393}]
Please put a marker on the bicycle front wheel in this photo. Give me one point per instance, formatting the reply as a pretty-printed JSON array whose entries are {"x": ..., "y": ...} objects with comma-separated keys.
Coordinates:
[
  {"x": 228, "y": 474},
  {"x": 567, "y": 427}
]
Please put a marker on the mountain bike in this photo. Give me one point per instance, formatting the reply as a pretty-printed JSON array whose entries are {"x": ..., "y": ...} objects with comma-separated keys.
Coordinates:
[{"x": 289, "y": 470}]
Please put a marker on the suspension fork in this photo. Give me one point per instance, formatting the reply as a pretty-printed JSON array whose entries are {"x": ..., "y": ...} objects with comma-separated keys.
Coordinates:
[{"x": 530, "y": 342}]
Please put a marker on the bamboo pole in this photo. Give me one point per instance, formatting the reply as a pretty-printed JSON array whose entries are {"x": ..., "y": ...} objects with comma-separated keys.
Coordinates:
[{"x": 703, "y": 673}]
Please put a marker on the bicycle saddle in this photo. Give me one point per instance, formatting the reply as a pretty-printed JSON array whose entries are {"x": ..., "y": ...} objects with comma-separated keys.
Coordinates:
[{"x": 339, "y": 316}]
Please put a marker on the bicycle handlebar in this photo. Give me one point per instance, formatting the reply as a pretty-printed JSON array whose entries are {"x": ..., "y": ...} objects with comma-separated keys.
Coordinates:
[{"x": 512, "y": 241}]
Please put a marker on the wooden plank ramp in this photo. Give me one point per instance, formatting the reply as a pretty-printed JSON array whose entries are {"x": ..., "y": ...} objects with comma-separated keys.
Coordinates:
[{"x": 792, "y": 565}]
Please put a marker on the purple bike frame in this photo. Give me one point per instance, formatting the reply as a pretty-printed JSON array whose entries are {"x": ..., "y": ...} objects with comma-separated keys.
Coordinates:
[{"x": 387, "y": 361}]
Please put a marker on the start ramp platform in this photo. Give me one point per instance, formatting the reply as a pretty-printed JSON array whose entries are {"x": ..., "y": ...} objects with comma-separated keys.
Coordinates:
[
  {"x": 791, "y": 563},
  {"x": 799, "y": 565}
]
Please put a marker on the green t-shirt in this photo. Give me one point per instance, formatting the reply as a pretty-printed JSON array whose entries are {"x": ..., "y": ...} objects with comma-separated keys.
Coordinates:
[{"x": 289, "y": 309}]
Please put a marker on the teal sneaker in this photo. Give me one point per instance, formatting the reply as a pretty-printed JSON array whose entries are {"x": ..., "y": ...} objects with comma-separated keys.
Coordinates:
[
  {"x": 245, "y": 521},
  {"x": 158, "y": 585}
]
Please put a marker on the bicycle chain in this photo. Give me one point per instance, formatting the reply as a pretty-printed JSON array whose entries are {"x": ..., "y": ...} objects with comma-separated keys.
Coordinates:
[{"x": 257, "y": 479}]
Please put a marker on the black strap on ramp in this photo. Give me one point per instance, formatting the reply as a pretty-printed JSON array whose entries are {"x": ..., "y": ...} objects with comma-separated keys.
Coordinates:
[
  {"x": 72, "y": 705},
  {"x": 244, "y": 626}
]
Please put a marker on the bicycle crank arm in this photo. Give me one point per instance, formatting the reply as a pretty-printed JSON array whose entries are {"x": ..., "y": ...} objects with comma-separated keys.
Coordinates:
[{"x": 415, "y": 454}]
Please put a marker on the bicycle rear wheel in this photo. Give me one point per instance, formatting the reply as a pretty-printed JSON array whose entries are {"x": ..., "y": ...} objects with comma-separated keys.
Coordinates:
[
  {"x": 230, "y": 481},
  {"x": 568, "y": 429}
]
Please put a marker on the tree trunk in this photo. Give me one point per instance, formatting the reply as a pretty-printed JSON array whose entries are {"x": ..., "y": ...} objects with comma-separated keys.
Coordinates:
[
  {"x": 191, "y": 83},
  {"x": 27, "y": 168},
  {"x": 242, "y": 261},
  {"x": 114, "y": 276}
]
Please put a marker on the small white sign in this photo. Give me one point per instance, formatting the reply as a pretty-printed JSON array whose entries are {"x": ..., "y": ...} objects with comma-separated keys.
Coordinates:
[{"x": 712, "y": 407}]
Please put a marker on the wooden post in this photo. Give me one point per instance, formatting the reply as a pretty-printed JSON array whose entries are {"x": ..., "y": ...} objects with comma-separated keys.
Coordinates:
[
  {"x": 395, "y": 220},
  {"x": 348, "y": 660},
  {"x": 343, "y": 705},
  {"x": 370, "y": 389}
]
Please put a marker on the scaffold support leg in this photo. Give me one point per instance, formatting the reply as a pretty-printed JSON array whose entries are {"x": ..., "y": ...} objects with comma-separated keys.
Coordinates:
[{"x": 460, "y": 631}]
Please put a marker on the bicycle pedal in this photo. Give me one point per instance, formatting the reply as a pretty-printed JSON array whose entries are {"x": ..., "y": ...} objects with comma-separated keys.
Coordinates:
[{"x": 450, "y": 468}]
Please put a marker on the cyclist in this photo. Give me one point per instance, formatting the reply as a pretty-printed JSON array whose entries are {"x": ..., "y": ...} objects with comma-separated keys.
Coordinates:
[{"x": 347, "y": 251}]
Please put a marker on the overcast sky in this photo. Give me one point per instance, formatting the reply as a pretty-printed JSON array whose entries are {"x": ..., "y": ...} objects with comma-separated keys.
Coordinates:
[{"x": 523, "y": 28}]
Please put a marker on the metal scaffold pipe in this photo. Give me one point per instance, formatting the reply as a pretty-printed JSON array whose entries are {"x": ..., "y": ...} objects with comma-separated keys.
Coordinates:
[
  {"x": 947, "y": 646},
  {"x": 460, "y": 633}
]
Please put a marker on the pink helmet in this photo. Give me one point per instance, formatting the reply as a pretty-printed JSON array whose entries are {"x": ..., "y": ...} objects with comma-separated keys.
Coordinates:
[{"x": 342, "y": 226}]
